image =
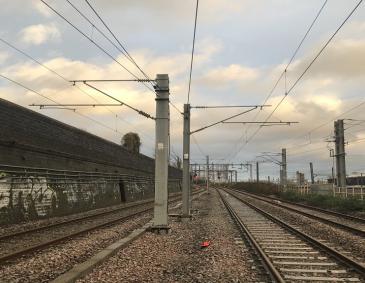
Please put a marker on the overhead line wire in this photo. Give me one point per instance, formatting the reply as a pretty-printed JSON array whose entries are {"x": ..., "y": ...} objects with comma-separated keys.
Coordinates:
[
  {"x": 193, "y": 48},
  {"x": 308, "y": 67},
  {"x": 92, "y": 41},
  {"x": 306, "y": 34},
  {"x": 120, "y": 44},
  {"x": 324, "y": 47},
  {"x": 44, "y": 66},
  {"x": 60, "y": 76},
  {"x": 285, "y": 70},
  {"x": 121, "y": 102},
  {"x": 125, "y": 52},
  {"x": 94, "y": 26},
  {"x": 101, "y": 48},
  {"x": 295, "y": 52},
  {"x": 50, "y": 99},
  {"x": 197, "y": 145},
  {"x": 221, "y": 121},
  {"x": 336, "y": 117}
]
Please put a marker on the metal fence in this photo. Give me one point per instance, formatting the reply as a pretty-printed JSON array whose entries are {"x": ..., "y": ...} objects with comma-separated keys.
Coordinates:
[{"x": 356, "y": 191}]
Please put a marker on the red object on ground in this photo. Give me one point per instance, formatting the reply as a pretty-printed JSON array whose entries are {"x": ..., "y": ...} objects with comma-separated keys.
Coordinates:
[{"x": 205, "y": 244}]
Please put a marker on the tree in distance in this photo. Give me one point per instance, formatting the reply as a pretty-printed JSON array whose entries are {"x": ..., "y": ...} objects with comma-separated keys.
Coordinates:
[
  {"x": 178, "y": 162},
  {"x": 131, "y": 142}
]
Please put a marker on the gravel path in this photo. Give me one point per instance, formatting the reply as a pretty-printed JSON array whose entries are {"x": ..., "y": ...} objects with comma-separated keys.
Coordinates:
[{"x": 178, "y": 257}]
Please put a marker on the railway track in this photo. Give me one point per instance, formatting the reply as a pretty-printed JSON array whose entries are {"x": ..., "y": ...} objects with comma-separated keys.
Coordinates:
[
  {"x": 287, "y": 254},
  {"x": 28, "y": 241},
  {"x": 24, "y": 231},
  {"x": 327, "y": 211},
  {"x": 355, "y": 225}
]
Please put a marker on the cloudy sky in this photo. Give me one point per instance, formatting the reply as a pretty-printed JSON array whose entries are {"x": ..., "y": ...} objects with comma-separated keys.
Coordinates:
[{"x": 242, "y": 47}]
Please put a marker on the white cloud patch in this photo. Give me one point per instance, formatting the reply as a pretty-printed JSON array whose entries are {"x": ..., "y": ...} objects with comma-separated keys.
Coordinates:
[
  {"x": 322, "y": 95},
  {"x": 209, "y": 11},
  {"x": 232, "y": 72},
  {"x": 3, "y": 57},
  {"x": 343, "y": 59},
  {"x": 41, "y": 8},
  {"x": 39, "y": 34}
]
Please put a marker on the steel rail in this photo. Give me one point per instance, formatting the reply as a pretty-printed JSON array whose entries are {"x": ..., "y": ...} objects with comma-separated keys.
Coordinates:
[
  {"x": 335, "y": 213},
  {"x": 322, "y": 219},
  {"x": 74, "y": 220},
  {"x": 46, "y": 244},
  {"x": 359, "y": 267},
  {"x": 63, "y": 238},
  {"x": 269, "y": 267}
]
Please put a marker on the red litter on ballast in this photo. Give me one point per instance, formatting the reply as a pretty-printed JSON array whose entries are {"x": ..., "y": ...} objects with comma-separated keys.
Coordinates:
[{"x": 205, "y": 244}]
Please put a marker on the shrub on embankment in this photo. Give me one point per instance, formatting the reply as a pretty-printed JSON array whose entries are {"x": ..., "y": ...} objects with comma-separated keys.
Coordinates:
[
  {"x": 322, "y": 201},
  {"x": 257, "y": 188}
]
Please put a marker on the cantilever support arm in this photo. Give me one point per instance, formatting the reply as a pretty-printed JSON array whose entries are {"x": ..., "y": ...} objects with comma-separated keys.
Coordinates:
[
  {"x": 270, "y": 159},
  {"x": 121, "y": 102},
  {"x": 222, "y": 121}
]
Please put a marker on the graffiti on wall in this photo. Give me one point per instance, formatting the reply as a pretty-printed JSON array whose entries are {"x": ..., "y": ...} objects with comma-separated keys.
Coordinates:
[
  {"x": 27, "y": 198},
  {"x": 24, "y": 198}
]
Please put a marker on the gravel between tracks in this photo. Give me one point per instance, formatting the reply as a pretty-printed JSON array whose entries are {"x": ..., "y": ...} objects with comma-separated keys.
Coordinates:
[
  {"x": 178, "y": 257},
  {"x": 337, "y": 238},
  {"x": 49, "y": 263},
  {"x": 23, "y": 226}
]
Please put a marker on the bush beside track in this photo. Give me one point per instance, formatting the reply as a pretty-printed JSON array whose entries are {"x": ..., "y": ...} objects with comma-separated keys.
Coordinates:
[{"x": 322, "y": 201}]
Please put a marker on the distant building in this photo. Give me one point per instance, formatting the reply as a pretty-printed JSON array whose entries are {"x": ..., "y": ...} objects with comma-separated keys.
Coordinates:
[{"x": 352, "y": 180}]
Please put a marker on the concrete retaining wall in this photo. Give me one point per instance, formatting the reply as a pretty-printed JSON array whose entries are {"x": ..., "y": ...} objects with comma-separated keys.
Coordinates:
[{"x": 29, "y": 139}]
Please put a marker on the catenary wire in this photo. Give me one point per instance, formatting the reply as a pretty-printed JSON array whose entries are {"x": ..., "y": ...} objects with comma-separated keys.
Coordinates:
[
  {"x": 331, "y": 120},
  {"x": 193, "y": 49},
  {"x": 294, "y": 54},
  {"x": 307, "y": 68},
  {"x": 124, "y": 50},
  {"x": 92, "y": 41},
  {"x": 54, "y": 101},
  {"x": 99, "y": 47},
  {"x": 197, "y": 145},
  {"x": 61, "y": 77},
  {"x": 281, "y": 76},
  {"x": 117, "y": 40},
  {"x": 140, "y": 112}
]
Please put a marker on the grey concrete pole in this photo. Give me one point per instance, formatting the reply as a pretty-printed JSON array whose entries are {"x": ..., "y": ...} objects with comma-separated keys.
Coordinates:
[
  {"x": 340, "y": 153},
  {"x": 207, "y": 173},
  {"x": 257, "y": 172},
  {"x": 299, "y": 178},
  {"x": 311, "y": 170},
  {"x": 251, "y": 172},
  {"x": 284, "y": 167},
  {"x": 213, "y": 176},
  {"x": 186, "y": 161},
  {"x": 227, "y": 172},
  {"x": 160, "y": 218},
  {"x": 336, "y": 153}
]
